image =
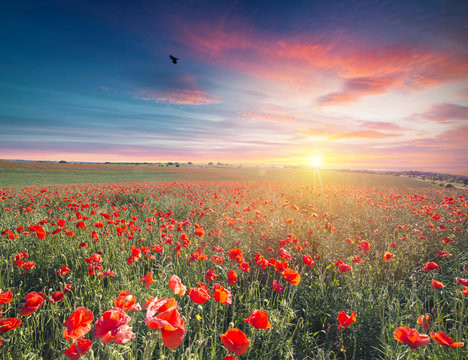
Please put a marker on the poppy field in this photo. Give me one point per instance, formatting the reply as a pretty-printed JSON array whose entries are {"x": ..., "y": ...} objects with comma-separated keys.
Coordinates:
[{"x": 233, "y": 270}]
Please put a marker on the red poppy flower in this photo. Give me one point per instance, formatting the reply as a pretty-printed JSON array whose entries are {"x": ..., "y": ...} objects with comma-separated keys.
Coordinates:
[
  {"x": 278, "y": 287},
  {"x": 411, "y": 337},
  {"x": 78, "y": 324},
  {"x": 430, "y": 266},
  {"x": 259, "y": 320},
  {"x": 175, "y": 284},
  {"x": 232, "y": 277},
  {"x": 210, "y": 275},
  {"x": 345, "y": 320},
  {"x": 148, "y": 280},
  {"x": 67, "y": 288},
  {"x": 113, "y": 325},
  {"x": 307, "y": 260},
  {"x": 284, "y": 254},
  {"x": 245, "y": 267},
  {"x": 56, "y": 297},
  {"x": 34, "y": 301},
  {"x": 62, "y": 271},
  {"x": 127, "y": 302},
  {"x": 462, "y": 281},
  {"x": 234, "y": 253},
  {"x": 78, "y": 348},
  {"x": 5, "y": 297},
  {"x": 444, "y": 340},
  {"x": 222, "y": 295},
  {"x": 235, "y": 341},
  {"x": 364, "y": 246},
  {"x": 38, "y": 229},
  {"x": 8, "y": 324},
  {"x": 342, "y": 267},
  {"x": 357, "y": 259},
  {"x": 386, "y": 256},
  {"x": 464, "y": 291},
  {"x": 292, "y": 276},
  {"x": 163, "y": 315},
  {"x": 29, "y": 265},
  {"x": 436, "y": 284},
  {"x": 424, "y": 322},
  {"x": 199, "y": 232},
  {"x": 200, "y": 294}
]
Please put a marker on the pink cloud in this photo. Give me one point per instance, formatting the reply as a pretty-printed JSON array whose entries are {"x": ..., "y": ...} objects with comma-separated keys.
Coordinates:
[
  {"x": 443, "y": 114},
  {"x": 356, "y": 88},
  {"x": 377, "y": 125},
  {"x": 358, "y": 134},
  {"x": 303, "y": 60}
]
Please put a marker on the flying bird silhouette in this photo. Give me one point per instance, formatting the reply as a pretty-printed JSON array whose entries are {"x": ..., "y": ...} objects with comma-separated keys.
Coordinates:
[{"x": 173, "y": 58}]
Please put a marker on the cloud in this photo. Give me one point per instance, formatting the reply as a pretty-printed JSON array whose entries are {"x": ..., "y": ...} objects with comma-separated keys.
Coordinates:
[
  {"x": 356, "y": 88},
  {"x": 443, "y": 114},
  {"x": 305, "y": 60},
  {"x": 340, "y": 135},
  {"x": 182, "y": 97}
]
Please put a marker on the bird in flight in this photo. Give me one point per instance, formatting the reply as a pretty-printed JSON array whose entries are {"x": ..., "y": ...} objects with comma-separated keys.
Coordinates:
[{"x": 173, "y": 58}]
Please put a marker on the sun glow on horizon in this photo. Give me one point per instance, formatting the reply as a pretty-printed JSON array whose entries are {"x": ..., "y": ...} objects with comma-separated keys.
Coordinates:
[{"x": 315, "y": 161}]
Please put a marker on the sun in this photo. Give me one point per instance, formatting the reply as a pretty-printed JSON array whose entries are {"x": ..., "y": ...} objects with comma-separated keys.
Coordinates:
[{"x": 315, "y": 161}]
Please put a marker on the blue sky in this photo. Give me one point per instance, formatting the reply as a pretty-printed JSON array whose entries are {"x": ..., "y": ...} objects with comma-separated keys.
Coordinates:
[{"x": 362, "y": 84}]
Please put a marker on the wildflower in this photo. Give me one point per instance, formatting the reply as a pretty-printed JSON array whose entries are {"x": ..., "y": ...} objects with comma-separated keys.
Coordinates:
[
  {"x": 444, "y": 340},
  {"x": 34, "y": 301},
  {"x": 235, "y": 341},
  {"x": 7, "y": 324},
  {"x": 436, "y": 284},
  {"x": 222, "y": 295},
  {"x": 210, "y": 275},
  {"x": 56, "y": 297},
  {"x": 5, "y": 297},
  {"x": 342, "y": 267},
  {"x": 148, "y": 280},
  {"x": 307, "y": 260},
  {"x": 430, "y": 266},
  {"x": 78, "y": 348},
  {"x": 386, "y": 256},
  {"x": 232, "y": 277},
  {"x": 345, "y": 320},
  {"x": 62, "y": 271},
  {"x": 411, "y": 337},
  {"x": 78, "y": 324},
  {"x": 364, "y": 246},
  {"x": 424, "y": 322},
  {"x": 127, "y": 302},
  {"x": 163, "y": 315},
  {"x": 259, "y": 320},
  {"x": 245, "y": 267},
  {"x": 278, "y": 287},
  {"x": 292, "y": 276},
  {"x": 113, "y": 325},
  {"x": 175, "y": 284},
  {"x": 199, "y": 295}
]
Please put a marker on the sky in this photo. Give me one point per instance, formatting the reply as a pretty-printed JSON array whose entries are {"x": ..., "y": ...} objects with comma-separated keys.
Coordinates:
[{"x": 359, "y": 84}]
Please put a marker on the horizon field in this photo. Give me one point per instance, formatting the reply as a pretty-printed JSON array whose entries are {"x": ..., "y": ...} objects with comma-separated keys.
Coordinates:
[{"x": 24, "y": 173}]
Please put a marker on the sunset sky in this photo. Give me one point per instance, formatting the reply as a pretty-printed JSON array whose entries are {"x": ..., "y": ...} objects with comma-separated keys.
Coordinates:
[{"x": 362, "y": 84}]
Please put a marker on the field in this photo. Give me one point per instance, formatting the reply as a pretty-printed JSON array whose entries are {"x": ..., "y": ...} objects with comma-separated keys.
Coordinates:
[{"x": 299, "y": 268}]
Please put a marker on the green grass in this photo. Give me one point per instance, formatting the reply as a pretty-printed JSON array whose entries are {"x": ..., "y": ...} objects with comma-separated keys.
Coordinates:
[{"x": 13, "y": 173}]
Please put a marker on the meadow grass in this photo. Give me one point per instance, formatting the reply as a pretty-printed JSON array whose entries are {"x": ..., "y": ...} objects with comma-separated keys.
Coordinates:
[
  {"x": 19, "y": 173},
  {"x": 327, "y": 221}
]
